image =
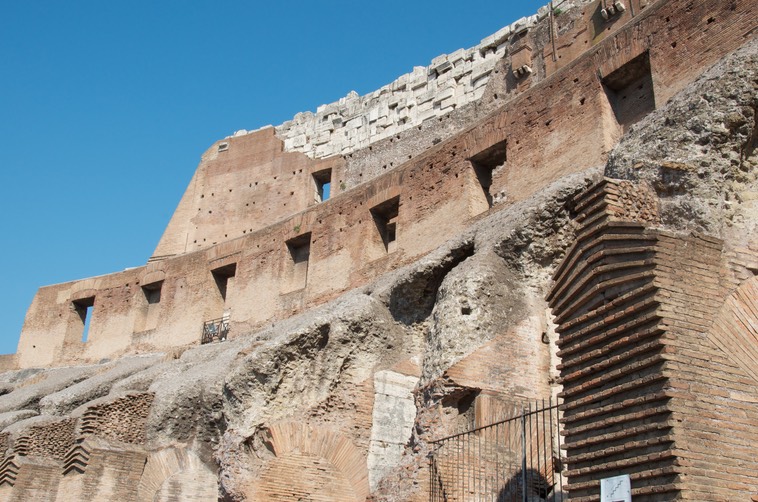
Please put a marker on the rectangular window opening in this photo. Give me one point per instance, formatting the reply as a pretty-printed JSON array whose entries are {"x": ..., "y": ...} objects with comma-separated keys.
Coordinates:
[
  {"x": 300, "y": 251},
  {"x": 150, "y": 314},
  {"x": 385, "y": 218},
  {"x": 630, "y": 92},
  {"x": 152, "y": 292},
  {"x": 222, "y": 275},
  {"x": 485, "y": 162},
  {"x": 323, "y": 182},
  {"x": 84, "y": 308}
]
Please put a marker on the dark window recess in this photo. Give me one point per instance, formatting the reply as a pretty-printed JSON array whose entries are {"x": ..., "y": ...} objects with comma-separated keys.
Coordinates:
[
  {"x": 385, "y": 218},
  {"x": 487, "y": 161},
  {"x": 300, "y": 251},
  {"x": 629, "y": 90},
  {"x": 300, "y": 248},
  {"x": 323, "y": 182},
  {"x": 221, "y": 275},
  {"x": 84, "y": 308},
  {"x": 152, "y": 292}
]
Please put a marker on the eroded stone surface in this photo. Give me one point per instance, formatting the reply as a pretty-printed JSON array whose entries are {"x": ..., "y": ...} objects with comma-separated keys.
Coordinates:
[{"x": 350, "y": 390}]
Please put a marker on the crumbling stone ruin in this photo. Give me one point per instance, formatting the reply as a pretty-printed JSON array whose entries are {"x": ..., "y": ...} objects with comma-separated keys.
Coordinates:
[{"x": 364, "y": 303}]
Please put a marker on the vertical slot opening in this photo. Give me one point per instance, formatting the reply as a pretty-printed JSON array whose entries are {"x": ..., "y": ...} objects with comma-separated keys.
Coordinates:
[
  {"x": 385, "y": 218},
  {"x": 84, "y": 307}
]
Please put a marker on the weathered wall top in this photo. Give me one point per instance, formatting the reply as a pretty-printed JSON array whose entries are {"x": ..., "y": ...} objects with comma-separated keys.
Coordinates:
[{"x": 450, "y": 81}]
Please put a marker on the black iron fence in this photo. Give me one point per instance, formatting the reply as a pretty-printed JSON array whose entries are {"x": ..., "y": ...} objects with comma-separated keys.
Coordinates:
[
  {"x": 515, "y": 460},
  {"x": 215, "y": 330}
]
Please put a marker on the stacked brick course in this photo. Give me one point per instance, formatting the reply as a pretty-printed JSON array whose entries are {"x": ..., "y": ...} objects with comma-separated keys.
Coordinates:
[
  {"x": 122, "y": 419},
  {"x": 646, "y": 390},
  {"x": 51, "y": 440}
]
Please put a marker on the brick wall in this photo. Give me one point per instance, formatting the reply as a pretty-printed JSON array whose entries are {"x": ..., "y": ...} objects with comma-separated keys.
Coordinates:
[
  {"x": 647, "y": 392},
  {"x": 122, "y": 419}
]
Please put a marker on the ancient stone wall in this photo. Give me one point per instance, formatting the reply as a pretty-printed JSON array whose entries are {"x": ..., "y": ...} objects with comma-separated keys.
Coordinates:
[
  {"x": 562, "y": 124},
  {"x": 350, "y": 333},
  {"x": 644, "y": 379}
]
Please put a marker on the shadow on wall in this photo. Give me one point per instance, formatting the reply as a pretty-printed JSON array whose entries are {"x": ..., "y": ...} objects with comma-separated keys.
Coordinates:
[{"x": 537, "y": 487}]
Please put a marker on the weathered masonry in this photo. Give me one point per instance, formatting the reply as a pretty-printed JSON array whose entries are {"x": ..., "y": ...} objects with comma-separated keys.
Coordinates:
[
  {"x": 657, "y": 342},
  {"x": 516, "y": 274},
  {"x": 252, "y": 241}
]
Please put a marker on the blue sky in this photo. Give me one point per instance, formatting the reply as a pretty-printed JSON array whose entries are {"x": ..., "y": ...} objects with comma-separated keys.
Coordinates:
[{"x": 106, "y": 107}]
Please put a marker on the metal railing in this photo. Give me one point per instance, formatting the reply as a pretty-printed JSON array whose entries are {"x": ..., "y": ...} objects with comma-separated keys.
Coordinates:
[
  {"x": 515, "y": 460},
  {"x": 215, "y": 330}
]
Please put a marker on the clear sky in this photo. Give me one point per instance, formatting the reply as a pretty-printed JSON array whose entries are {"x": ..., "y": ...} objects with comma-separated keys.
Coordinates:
[{"x": 106, "y": 107}]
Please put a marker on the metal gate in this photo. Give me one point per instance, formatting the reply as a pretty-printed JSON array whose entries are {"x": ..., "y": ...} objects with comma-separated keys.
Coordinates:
[{"x": 515, "y": 460}]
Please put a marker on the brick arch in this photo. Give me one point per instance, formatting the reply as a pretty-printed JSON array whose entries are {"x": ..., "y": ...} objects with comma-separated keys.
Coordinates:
[
  {"x": 735, "y": 327},
  {"x": 312, "y": 462},
  {"x": 176, "y": 474}
]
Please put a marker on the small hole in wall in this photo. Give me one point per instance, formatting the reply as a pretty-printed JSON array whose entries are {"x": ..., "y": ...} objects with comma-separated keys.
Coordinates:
[
  {"x": 202, "y": 196},
  {"x": 548, "y": 122},
  {"x": 673, "y": 45},
  {"x": 710, "y": 20},
  {"x": 582, "y": 100},
  {"x": 466, "y": 310},
  {"x": 495, "y": 96},
  {"x": 576, "y": 80}
]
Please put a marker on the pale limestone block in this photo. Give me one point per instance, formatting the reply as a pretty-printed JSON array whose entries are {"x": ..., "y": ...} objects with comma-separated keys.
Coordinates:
[
  {"x": 425, "y": 97},
  {"x": 457, "y": 56},
  {"x": 393, "y": 416},
  {"x": 427, "y": 114},
  {"x": 446, "y": 93}
]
